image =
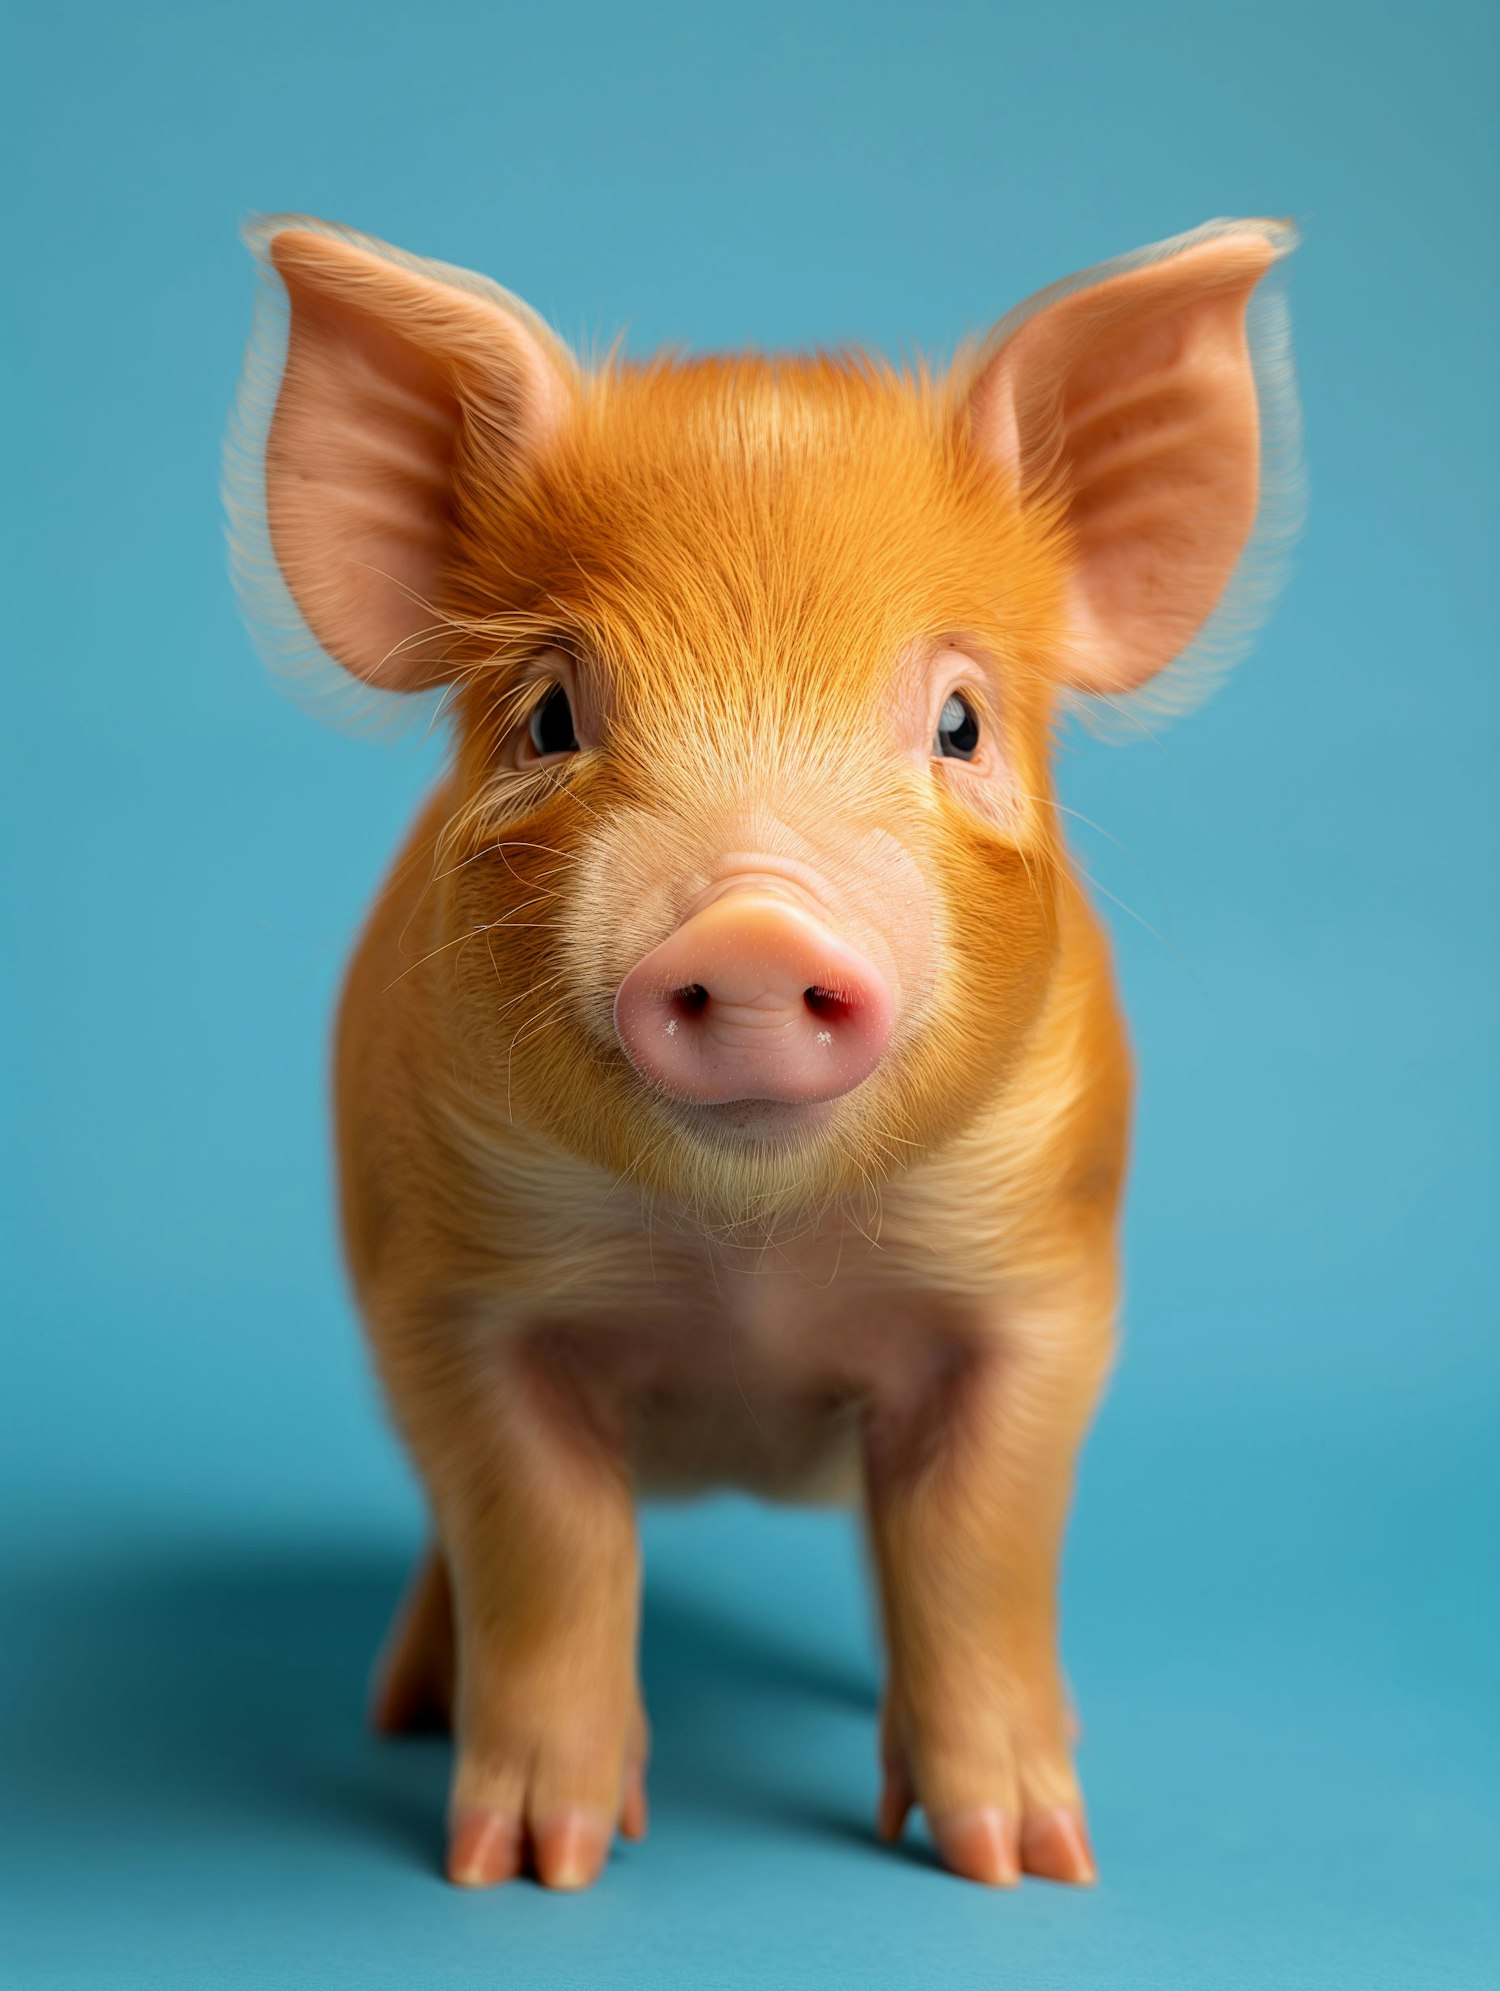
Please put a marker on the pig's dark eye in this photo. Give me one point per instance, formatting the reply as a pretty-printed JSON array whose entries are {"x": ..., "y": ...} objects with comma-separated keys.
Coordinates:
[
  {"x": 551, "y": 730},
  {"x": 957, "y": 730}
]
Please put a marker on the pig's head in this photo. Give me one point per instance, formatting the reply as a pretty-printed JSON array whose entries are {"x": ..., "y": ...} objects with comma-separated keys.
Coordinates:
[{"x": 751, "y": 886}]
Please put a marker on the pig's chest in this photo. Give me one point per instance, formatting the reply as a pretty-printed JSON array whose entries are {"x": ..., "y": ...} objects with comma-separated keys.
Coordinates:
[{"x": 759, "y": 1369}]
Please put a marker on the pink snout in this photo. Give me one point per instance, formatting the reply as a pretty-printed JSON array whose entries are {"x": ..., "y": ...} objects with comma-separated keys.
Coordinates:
[{"x": 753, "y": 998}]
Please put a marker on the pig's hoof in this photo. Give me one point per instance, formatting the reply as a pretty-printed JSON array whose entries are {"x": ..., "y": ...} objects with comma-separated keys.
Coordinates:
[
  {"x": 567, "y": 1850},
  {"x": 633, "y": 1813},
  {"x": 979, "y": 1842},
  {"x": 544, "y": 1818},
  {"x": 1020, "y": 1814},
  {"x": 487, "y": 1847},
  {"x": 484, "y": 1847},
  {"x": 570, "y": 1849},
  {"x": 1055, "y": 1846}
]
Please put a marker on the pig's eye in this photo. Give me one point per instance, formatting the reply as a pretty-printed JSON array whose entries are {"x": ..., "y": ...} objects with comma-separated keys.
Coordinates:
[
  {"x": 957, "y": 729},
  {"x": 552, "y": 730}
]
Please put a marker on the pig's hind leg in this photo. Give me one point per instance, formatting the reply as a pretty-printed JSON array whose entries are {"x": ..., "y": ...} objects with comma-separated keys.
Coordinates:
[{"x": 412, "y": 1692}]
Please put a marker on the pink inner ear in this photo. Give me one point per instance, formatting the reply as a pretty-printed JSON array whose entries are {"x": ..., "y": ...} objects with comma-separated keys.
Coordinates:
[
  {"x": 1135, "y": 400},
  {"x": 358, "y": 487},
  {"x": 390, "y": 370}
]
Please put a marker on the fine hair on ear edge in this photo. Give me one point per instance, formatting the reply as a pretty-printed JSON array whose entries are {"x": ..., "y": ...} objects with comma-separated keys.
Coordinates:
[
  {"x": 278, "y": 629},
  {"x": 1263, "y": 565}
]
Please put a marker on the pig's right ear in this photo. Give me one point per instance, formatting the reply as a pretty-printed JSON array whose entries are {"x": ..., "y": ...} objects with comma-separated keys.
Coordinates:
[
  {"x": 1149, "y": 406},
  {"x": 347, "y": 458}
]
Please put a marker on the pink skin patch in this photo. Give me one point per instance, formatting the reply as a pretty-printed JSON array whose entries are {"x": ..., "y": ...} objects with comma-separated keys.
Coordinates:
[{"x": 754, "y": 998}]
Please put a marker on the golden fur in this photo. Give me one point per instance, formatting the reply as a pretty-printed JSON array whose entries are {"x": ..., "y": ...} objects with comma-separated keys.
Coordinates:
[{"x": 741, "y": 567}]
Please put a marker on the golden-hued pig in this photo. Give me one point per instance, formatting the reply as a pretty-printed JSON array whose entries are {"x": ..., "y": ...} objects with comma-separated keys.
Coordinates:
[{"x": 730, "y": 1084}]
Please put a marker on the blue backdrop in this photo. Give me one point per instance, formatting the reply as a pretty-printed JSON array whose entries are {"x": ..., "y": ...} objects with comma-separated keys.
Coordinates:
[{"x": 1282, "y": 1582}]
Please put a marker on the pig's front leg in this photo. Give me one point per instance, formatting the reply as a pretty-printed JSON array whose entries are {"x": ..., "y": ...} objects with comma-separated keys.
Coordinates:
[
  {"x": 526, "y": 1473},
  {"x": 968, "y": 1500}
]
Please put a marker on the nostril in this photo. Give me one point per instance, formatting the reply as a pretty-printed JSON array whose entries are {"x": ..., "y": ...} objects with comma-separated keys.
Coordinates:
[
  {"x": 690, "y": 1001},
  {"x": 828, "y": 1005}
]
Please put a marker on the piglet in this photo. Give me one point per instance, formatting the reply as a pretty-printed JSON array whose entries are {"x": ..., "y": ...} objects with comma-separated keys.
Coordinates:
[{"x": 730, "y": 1082}]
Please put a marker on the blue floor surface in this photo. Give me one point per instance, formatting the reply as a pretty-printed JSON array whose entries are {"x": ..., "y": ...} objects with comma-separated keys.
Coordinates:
[{"x": 1291, "y": 1785}]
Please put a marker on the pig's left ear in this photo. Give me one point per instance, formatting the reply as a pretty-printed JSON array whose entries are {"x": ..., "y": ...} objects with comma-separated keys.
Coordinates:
[{"x": 1150, "y": 402}]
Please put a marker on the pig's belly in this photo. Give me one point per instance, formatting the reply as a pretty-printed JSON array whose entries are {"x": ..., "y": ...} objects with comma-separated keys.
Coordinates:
[{"x": 684, "y": 1441}]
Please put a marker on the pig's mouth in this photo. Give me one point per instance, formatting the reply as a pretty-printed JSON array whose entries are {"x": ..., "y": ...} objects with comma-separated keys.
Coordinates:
[{"x": 750, "y": 1122}]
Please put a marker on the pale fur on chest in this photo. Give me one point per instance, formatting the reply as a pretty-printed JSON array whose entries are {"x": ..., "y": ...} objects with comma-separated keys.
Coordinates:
[{"x": 741, "y": 1361}]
